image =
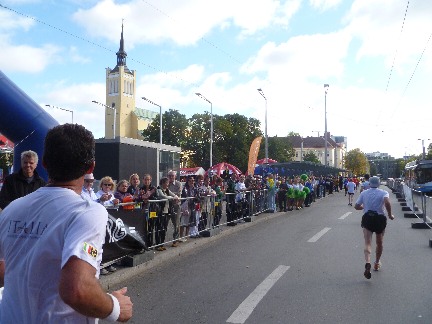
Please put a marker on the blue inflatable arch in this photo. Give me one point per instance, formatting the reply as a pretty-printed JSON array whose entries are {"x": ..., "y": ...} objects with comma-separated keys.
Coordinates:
[{"x": 23, "y": 121}]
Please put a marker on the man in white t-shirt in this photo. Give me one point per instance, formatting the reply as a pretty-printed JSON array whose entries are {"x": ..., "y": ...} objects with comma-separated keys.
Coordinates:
[
  {"x": 374, "y": 201},
  {"x": 350, "y": 186},
  {"x": 51, "y": 243}
]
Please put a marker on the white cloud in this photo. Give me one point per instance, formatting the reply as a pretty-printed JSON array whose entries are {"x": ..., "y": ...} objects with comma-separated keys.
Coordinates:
[
  {"x": 25, "y": 58},
  {"x": 77, "y": 97},
  {"x": 183, "y": 22},
  {"x": 324, "y": 4},
  {"x": 11, "y": 22},
  {"x": 76, "y": 57},
  {"x": 301, "y": 57},
  {"x": 381, "y": 33}
]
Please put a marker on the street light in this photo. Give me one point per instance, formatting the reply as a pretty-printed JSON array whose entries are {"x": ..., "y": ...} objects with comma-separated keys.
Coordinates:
[
  {"x": 326, "y": 86},
  {"x": 160, "y": 117},
  {"x": 211, "y": 126},
  {"x": 265, "y": 126},
  {"x": 71, "y": 111},
  {"x": 423, "y": 146},
  {"x": 301, "y": 149},
  {"x": 115, "y": 114}
]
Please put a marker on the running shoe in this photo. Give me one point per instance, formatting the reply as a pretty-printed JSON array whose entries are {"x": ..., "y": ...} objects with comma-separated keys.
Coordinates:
[
  {"x": 377, "y": 266},
  {"x": 367, "y": 272}
]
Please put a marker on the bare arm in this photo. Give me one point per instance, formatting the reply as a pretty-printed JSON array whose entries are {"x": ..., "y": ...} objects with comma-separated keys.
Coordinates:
[
  {"x": 80, "y": 289},
  {"x": 387, "y": 206},
  {"x": 358, "y": 207}
]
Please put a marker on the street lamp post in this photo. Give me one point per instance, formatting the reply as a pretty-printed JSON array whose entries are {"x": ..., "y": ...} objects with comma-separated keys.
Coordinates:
[
  {"x": 160, "y": 117},
  {"x": 71, "y": 111},
  {"x": 423, "y": 146},
  {"x": 265, "y": 126},
  {"x": 115, "y": 114},
  {"x": 211, "y": 126},
  {"x": 301, "y": 149},
  {"x": 326, "y": 86}
]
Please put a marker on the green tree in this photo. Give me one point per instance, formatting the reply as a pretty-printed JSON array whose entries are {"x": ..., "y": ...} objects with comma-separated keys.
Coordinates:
[
  {"x": 198, "y": 140},
  {"x": 235, "y": 135},
  {"x": 174, "y": 129},
  {"x": 311, "y": 157},
  {"x": 356, "y": 162},
  {"x": 280, "y": 149}
]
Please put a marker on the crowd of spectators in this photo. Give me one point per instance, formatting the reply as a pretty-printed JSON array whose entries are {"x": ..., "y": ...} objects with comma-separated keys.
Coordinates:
[{"x": 199, "y": 203}]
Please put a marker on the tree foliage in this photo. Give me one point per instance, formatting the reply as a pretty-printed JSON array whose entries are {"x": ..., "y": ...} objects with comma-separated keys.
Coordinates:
[
  {"x": 311, "y": 157},
  {"x": 174, "y": 126},
  {"x": 279, "y": 149},
  {"x": 232, "y": 137},
  {"x": 357, "y": 162}
]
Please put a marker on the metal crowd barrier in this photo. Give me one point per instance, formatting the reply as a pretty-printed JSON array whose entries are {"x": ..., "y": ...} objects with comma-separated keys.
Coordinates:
[
  {"x": 135, "y": 227},
  {"x": 415, "y": 201}
]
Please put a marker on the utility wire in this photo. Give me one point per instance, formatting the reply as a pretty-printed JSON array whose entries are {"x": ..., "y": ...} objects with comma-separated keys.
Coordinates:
[
  {"x": 396, "y": 52},
  {"x": 94, "y": 44}
]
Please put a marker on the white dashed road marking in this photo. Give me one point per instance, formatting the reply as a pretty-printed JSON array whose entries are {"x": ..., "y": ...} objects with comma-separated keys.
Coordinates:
[
  {"x": 318, "y": 235},
  {"x": 246, "y": 308},
  {"x": 345, "y": 215}
]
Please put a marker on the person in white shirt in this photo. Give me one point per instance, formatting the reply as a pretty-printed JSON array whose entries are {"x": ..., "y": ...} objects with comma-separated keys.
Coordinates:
[
  {"x": 350, "y": 186},
  {"x": 105, "y": 194},
  {"x": 373, "y": 201},
  {"x": 52, "y": 252},
  {"x": 87, "y": 189}
]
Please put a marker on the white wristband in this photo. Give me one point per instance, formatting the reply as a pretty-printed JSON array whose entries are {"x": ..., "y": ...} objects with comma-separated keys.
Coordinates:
[{"x": 115, "y": 313}]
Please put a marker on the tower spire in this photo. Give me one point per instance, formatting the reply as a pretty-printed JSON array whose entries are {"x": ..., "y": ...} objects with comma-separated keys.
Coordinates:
[{"x": 121, "y": 54}]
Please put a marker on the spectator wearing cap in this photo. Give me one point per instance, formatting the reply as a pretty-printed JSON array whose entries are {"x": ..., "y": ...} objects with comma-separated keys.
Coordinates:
[
  {"x": 373, "y": 201},
  {"x": 87, "y": 189}
]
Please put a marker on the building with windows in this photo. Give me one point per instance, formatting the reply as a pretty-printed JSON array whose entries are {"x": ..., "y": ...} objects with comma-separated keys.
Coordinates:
[
  {"x": 383, "y": 164},
  {"x": 336, "y": 149}
]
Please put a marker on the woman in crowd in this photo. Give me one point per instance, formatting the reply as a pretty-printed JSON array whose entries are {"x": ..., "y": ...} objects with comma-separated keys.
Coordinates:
[
  {"x": 148, "y": 192},
  {"x": 204, "y": 191},
  {"x": 123, "y": 195},
  {"x": 218, "y": 189},
  {"x": 188, "y": 217},
  {"x": 166, "y": 208},
  {"x": 105, "y": 194},
  {"x": 298, "y": 187},
  {"x": 134, "y": 182}
]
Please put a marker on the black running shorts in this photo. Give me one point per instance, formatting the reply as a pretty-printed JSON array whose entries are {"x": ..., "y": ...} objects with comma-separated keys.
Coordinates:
[{"x": 374, "y": 222}]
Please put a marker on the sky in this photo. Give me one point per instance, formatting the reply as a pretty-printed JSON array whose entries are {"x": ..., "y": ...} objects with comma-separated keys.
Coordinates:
[{"x": 375, "y": 55}]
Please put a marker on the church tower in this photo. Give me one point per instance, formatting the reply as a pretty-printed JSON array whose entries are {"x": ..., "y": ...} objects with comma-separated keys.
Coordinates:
[{"x": 120, "y": 94}]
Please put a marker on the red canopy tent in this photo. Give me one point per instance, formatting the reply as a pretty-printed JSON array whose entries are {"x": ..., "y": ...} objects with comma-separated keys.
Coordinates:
[
  {"x": 262, "y": 161},
  {"x": 220, "y": 167},
  {"x": 185, "y": 172}
]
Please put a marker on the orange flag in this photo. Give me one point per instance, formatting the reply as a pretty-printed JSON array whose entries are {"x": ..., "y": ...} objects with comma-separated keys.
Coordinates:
[{"x": 253, "y": 154}]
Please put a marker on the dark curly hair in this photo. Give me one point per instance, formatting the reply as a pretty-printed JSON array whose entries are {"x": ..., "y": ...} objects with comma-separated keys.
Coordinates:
[{"x": 69, "y": 152}]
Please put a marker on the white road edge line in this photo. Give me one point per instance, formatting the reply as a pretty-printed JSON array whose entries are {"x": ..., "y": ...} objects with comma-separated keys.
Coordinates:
[
  {"x": 317, "y": 236},
  {"x": 345, "y": 215},
  {"x": 241, "y": 314}
]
